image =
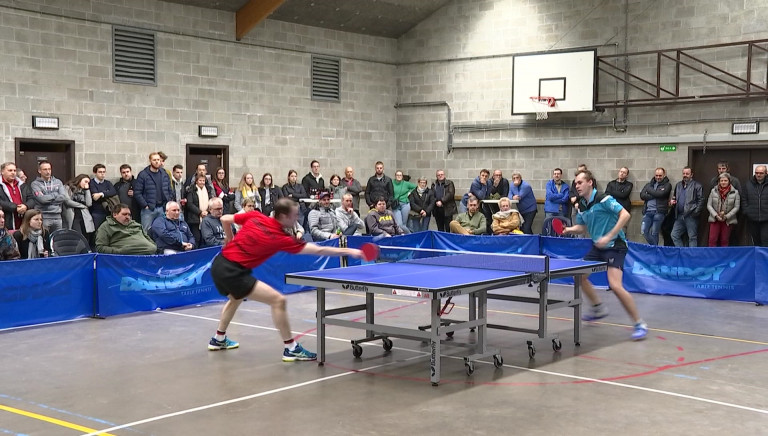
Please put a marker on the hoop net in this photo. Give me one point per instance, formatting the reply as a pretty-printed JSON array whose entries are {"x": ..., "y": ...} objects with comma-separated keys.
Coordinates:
[{"x": 541, "y": 105}]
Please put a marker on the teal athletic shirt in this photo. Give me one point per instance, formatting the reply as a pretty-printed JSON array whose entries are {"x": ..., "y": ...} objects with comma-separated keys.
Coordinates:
[{"x": 600, "y": 214}]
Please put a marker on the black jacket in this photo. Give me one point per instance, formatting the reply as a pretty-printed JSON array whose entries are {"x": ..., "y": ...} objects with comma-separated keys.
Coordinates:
[
  {"x": 376, "y": 188},
  {"x": 192, "y": 210},
  {"x": 274, "y": 194},
  {"x": 424, "y": 202},
  {"x": 312, "y": 185},
  {"x": 502, "y": 190},
  {"x": 122, "y": 187},
  {"x": 620, "y": 191},
  {"x": 660, "y": 194},
  {"x": 754, "y": 200}
]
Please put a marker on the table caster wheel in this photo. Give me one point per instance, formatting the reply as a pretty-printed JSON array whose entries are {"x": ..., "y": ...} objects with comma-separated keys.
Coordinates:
[
  {"x": 449, "y": 334},
  {"x": 357, "y": 350},
  {"x": 531, "y": 349},
  {"x": 556, "y": 344},
  {"x": 470, "y": 367},
  {"x": 387, "y": 344},
  {"x": 498, "y": 361}
]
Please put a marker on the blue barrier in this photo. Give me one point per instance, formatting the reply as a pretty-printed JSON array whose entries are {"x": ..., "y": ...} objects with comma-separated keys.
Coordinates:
[
  {"x": 64, "y": 288},
  {"x": 46, "y": 290}
]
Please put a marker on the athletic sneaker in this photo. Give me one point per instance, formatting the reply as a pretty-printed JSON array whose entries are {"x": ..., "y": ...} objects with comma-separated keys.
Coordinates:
[
  {"x": 595, "y": 312},
  {"x": 299, "y": 353},
  {"x": 640, "y": 332},
  {"x": 226, "y": 344}
]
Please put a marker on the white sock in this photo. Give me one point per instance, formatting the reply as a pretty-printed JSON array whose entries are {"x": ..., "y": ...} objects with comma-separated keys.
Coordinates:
[
  {"x": 292, "y": 346},
  {"x": 220, "y": 337}
]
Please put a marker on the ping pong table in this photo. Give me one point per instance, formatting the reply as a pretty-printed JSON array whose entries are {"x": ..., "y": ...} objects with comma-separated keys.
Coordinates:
[{"x": 436, "y": 279}]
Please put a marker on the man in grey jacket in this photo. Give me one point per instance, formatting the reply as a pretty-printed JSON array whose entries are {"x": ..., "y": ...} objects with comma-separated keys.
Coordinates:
[
  {"x": 688, "y": 201},
  {"x": 50, "y": 193},
  {"x": 211, "y": 229},
  {"x": 347, "y": 218},
  {"x": 322, "y": 219},
  {"x": 353, "y": 187}
]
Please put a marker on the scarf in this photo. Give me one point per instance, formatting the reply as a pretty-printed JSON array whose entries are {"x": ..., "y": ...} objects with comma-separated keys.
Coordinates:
[
  {"x": 202, "y": 197},
  {"x": 421, "y": 190},
  {"x": 724, "y": 191},
  {"x": 267, "y": 195},
  {"x": 36, "y": 247}
]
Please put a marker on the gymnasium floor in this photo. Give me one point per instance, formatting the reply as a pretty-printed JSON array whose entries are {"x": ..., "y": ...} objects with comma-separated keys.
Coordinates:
[{"x": 701, "y": 371}]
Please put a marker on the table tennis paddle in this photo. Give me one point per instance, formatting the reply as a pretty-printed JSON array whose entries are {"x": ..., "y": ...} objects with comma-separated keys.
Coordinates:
[
  {"x": 557, "y": 226},
  {"x": 370, "y": 251}
]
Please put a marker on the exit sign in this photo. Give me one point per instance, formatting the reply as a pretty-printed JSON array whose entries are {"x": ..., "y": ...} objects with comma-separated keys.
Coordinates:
[{"x": 668, "y": 147}]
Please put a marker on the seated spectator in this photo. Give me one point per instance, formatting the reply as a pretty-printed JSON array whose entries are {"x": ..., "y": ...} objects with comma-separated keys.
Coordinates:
[
  {"x": 32, "y": 239},
  {"x": 170, "y": 233},
  {"x": 322, "y": 219},
  {"x": 381, "y": 222},
  {"x": 506, "y": 220},
  {"x": 120, "y": 234},
  {"x": 422, "y": 201},
  {"x": 347, "y": 219},
  {"x": 210, "y": 229},
  {"x": 8, "y": 248},
  {"x": 471, "y": 222},
  {"x": 198, "y": 195},
  {"x": 247, "y": 205}
]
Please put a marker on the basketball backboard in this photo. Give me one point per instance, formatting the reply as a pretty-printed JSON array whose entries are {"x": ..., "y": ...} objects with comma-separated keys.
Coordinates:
[{"x": 567, "y": 76}]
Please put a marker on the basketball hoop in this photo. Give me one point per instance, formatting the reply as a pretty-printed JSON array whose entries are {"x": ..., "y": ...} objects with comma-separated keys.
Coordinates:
[{"x": 541, "y": 105}]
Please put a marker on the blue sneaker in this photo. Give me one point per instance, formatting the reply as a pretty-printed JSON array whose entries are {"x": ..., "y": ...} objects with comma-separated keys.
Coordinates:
[
  {"x": 640, "y": 332},
  {"x": 299, "y": 353},
  {"x": 595, "y": 312},
  {"x": 226, "y": 344}
]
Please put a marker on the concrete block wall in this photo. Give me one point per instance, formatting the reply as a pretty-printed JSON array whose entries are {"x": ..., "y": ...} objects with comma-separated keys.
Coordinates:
[
  {"x": 462, "y": 55},
  {"x": 58, "y": 61}
]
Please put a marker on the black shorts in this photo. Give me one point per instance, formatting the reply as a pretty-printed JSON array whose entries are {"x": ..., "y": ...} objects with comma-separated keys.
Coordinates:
[
  {"x": 613, "y": 256},
  {"x": 231, "y": 278}
]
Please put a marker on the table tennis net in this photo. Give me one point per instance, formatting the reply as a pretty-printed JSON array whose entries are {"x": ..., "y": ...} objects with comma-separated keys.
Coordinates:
[{"x": 464, "y": 259}]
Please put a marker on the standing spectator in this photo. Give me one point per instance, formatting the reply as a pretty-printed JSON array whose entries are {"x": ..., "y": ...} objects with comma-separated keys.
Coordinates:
[
  {"x": 379, "y": 185},
  {"x": 8, "y": 248},
  {"x": 50, "y": 194},
  {"x": 163, "y": 158},
  {"x": 621, "y": 188},
  {"x": 557, "y": 200},
  {"x": 353, "y": 187},
  {"x": 422, "y": 202},
  {"x": 656, "y": 196},
  {"x": 688, "y": 202},
  {"x": 295, "y": 191},
  {"x": 348, "y": 220},
  {"x": 499, "y": 185},
  {"x": 247, "y": 189},
  {"x": 322, "y": 219},
  {"x": 21, "y": 175},
  {"x": 11, "y": 197},
  {"x": 521, "y": 191},
  {"x": 269, "y": 194},
  {"x": 152, "y": 190},
  {"x": 103, "y": 194},
  {"x": 507, "y": 220},
  {"x": 201, "y": 170},
  {"x": 336, "y": 188},
  {"x": 171, "y": 234},
  {"x": 222, "y": 190},
  {"x": 723, "y": 205},
  {"x": 445, "y": 201},
  {"x": 380, "y": 222},
  {"x": 402, "y": 205},
  {"x": 211, "y": 231},
  {"x": 122, "y": 235},
  {"x": 124, "y": 188},
  {"x": 177, "y": 183},
  {"x": 480, "y": 188},
  {"x": 198, "y": 197},
  {"x": 77, "y": 215},
  {"x": 313, "y": 182},
  {"x": 724, "y": 167},
  {"x": 470, "y": 222},
  {"x": 754, "y": 202},
  {"x": 32, "y": 239}
]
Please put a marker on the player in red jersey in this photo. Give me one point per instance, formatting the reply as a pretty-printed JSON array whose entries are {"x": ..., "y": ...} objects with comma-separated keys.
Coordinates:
[{"x": 259, "y": 238}]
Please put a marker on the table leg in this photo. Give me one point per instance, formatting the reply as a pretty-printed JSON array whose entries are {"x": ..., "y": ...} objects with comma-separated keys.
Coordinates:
[
  {"x": 434, "y": 343},
  {"x": 320, "y": 326},
  {"x": 577, "y": 310},
  {"x": 482, "y": 313},
  {"x": 369, "y": 312},
  {"x": 543, "y": 301}
]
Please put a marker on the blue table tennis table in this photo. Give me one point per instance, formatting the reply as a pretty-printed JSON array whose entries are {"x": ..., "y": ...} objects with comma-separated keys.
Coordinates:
[{"x": 437, "y": 281}]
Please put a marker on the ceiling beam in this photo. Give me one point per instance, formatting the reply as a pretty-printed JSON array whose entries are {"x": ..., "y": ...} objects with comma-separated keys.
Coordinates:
[{"x": 251, "y": 14}]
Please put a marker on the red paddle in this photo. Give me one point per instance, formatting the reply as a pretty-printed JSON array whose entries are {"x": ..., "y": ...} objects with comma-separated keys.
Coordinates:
[
  {"x": 370, "y": 251},
  {"x": 557, "y": 226}
]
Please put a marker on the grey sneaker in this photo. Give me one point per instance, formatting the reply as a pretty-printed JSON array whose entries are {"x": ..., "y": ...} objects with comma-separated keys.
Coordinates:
[{"x": 594, "y": 313}]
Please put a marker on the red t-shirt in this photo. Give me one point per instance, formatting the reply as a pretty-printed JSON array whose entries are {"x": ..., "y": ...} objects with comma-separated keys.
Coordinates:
[{"x": 259, "y": 238}]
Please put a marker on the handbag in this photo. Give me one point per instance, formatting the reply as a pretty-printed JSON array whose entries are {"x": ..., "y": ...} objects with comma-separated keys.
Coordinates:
[{"x": 110, "y": 202}]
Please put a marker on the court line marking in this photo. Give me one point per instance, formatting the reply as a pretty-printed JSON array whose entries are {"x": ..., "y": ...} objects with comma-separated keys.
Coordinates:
[
  {"x": 48, "y": 419},
  {"x": 240, "y": 399},
  {"x": 536, "y": 315}
]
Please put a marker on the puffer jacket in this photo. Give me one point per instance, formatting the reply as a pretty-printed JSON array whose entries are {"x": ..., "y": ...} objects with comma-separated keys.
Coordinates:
[
  {"x": 145, "y": 191},
  {"x": 322, "y": 223},
  {"x": 113, "y": 237},
  {"x": 506, "y": 222},
  {"x": 730, "y": 205}
]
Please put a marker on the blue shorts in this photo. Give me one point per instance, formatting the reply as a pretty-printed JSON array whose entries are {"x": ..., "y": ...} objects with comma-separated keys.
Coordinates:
[{"x": 613, "y": 256}]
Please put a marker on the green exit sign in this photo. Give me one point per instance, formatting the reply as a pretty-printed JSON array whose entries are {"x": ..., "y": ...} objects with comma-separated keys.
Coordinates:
[{"x": 668, "y": 147}]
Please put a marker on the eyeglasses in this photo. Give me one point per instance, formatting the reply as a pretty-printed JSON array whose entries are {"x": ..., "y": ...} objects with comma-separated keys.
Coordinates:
[
  {"x": 759, "y": 172},
  {"x": 217, "y": 208}
]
